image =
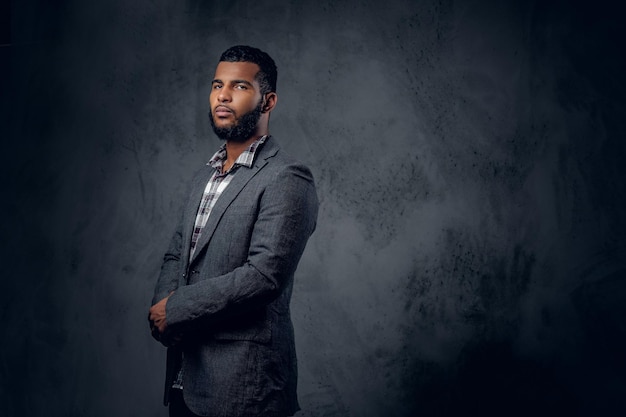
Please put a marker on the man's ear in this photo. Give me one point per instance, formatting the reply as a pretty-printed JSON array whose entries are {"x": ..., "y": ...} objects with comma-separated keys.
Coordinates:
[{"x": 269, "y": 102}]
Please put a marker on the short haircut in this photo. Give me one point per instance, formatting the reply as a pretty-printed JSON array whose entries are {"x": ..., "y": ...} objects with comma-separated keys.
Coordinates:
[{"x": 268, "y": 74}]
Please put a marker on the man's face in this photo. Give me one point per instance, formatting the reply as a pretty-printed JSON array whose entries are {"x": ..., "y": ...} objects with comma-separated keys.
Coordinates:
[{"x": 235, "y": 101}]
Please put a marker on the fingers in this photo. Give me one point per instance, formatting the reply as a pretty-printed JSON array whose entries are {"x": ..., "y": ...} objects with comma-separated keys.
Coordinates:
[
  {"x": 160, "y": 323},
  {"x": 156, "y": 316},
  {"x": 158, "y": 328},
  {"x": 157, "y": 321}
]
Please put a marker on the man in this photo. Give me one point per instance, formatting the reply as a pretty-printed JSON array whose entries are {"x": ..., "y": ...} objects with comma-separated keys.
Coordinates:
[{"x": 221, "y": 302}]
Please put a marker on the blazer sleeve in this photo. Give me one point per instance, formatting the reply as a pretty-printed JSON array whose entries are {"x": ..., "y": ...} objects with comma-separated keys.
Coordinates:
[
  {"x": 286, "y": 218},
  {"x": 170, "y": 269}
]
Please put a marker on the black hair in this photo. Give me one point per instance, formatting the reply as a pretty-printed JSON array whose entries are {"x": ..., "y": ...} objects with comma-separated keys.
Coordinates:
[{"x": 268, "y": 74}]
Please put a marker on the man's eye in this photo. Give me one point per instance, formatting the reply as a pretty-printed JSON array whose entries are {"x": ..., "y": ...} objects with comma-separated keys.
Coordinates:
[
  {"x": 241, "y": 87},
  {"x": 216, "y": 86}
]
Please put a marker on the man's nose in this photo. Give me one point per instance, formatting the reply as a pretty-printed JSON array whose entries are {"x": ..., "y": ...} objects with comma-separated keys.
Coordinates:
[{"x": 223, "y": 96}]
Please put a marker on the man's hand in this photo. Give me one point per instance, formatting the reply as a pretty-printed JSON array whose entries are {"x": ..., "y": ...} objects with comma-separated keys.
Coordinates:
[{"x": 157, "y": 315}]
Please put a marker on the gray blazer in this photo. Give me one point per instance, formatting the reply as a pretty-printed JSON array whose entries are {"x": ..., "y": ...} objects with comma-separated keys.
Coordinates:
[{"x": 228, "y": 320}]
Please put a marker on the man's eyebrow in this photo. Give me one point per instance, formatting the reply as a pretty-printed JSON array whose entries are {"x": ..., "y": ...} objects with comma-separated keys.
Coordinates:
[
  {"x": 241, "y": 82},
  {"x": 218, "y": 81}
]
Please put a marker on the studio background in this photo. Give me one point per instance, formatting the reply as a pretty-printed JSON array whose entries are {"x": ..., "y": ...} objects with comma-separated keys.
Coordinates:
[{"x": 470, "y": 255}]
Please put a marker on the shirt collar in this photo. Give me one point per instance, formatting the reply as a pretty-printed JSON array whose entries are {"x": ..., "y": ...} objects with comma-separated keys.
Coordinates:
[{"x": 246, "y": 158}]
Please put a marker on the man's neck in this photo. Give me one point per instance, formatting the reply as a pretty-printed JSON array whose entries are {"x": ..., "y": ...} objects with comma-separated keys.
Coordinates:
[{"x": 234, "y": 149}]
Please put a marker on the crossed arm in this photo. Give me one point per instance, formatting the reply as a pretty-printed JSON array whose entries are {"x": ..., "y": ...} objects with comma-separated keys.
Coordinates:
[{"x": 286, "y": 218}]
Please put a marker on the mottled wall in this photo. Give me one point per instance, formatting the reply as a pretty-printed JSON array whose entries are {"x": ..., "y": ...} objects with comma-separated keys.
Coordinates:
[{"x": 470, "y": 256}]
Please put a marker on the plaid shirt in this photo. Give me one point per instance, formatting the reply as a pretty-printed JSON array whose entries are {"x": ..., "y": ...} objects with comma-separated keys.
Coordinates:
[
  {"x": 214, "y": 188},
  {"x": 218, "y": 183}
]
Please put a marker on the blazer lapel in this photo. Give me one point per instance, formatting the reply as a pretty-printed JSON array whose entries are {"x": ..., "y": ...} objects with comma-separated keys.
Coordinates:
[{"x": 237, "y": 183}]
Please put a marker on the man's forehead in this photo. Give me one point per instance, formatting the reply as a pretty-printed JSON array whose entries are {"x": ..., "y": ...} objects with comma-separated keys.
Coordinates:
[{"x": 226, "y": 71}]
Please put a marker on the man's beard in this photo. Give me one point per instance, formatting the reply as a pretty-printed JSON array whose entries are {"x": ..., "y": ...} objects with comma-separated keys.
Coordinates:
[{"x": 244, "y": 126}]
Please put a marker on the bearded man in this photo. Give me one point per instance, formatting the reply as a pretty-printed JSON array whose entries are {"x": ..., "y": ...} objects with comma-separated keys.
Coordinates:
[{"x": 221, "y": 302}]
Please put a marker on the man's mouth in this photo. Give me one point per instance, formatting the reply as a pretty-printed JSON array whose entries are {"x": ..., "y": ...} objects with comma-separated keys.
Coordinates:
[{"x": 222, "y": 111}]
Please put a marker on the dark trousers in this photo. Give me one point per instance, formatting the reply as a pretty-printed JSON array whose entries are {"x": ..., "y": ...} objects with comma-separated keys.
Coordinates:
[{"x": 178, "y": 408}]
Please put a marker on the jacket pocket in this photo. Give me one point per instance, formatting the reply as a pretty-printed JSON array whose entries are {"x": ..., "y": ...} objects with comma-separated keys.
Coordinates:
[{"x": 252, "y": 327}]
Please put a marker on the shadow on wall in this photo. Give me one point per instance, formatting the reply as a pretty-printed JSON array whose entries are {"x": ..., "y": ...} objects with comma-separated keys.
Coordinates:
[
  {"x": 491, "y": 379},
  {"x": 601, "y": 306}
]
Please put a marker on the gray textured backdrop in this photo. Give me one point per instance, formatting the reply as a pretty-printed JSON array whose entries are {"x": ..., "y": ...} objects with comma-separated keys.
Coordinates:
[{"x": 470, "y": 256}]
